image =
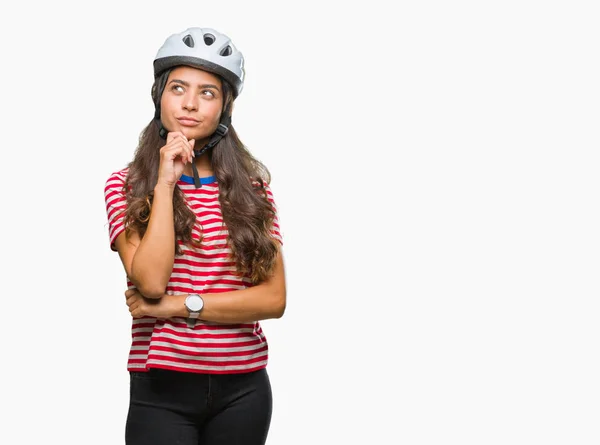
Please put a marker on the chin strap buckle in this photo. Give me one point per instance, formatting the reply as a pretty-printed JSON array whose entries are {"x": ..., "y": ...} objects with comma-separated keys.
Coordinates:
[{"x": 222, "y": 130}]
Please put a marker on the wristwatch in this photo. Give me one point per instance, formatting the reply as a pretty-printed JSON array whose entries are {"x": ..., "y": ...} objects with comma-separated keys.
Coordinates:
[{"x": 194, "y": 304}]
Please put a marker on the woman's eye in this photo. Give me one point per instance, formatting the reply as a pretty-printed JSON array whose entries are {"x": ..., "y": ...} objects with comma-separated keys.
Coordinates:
[
  {"x": 177, "y": 88},
  {"x": 210, "y": 93}
]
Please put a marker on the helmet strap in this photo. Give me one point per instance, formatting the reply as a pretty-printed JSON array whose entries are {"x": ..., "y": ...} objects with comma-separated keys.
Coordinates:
[
  {"x": 219, "y": 133},
  {"x": 162, "y": 131}
]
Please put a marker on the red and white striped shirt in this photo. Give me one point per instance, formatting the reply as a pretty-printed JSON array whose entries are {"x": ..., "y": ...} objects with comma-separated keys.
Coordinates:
[{"x": 208, "y": 347}]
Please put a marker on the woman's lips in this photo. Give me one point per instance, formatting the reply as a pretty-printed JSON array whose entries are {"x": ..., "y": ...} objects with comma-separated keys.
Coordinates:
[{"x": 187, "y": 121}]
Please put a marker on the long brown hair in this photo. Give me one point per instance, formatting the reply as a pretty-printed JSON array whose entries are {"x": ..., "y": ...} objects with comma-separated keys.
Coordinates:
[{"x": 246, "y": 211}]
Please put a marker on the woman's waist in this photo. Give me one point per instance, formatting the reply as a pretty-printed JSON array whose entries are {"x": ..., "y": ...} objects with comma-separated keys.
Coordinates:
[{"x": 175, "y": 331}]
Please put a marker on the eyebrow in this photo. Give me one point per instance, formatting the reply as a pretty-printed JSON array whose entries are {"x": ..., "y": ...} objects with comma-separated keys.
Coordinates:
[{"x": 187, "y": 84}]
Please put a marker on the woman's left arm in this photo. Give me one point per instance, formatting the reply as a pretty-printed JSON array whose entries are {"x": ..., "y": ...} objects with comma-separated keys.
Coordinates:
[{"x": 262, "y": 301}]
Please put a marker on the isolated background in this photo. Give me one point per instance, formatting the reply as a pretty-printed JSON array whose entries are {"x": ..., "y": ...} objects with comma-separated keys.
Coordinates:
[{"x": 436, "y": 170}]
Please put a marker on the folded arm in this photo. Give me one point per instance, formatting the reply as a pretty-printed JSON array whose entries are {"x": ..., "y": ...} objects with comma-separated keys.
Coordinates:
[{"x": 263, "y": 301}]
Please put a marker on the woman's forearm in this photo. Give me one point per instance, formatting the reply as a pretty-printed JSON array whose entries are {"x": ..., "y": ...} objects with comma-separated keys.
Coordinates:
[
  {"x": 153, "y": 260},
  {"x": 255, "y": 303},
  {"x": 248, "y": 305}
]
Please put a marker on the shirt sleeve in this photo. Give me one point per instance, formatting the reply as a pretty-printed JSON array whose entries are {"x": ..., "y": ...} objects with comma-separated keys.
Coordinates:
[
  {"x": 275, "y": 228},
  {"x": 116, "y": 205}
]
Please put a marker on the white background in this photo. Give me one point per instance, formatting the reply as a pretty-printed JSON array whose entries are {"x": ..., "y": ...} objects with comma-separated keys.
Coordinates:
[{"x": 436, "y": 172}]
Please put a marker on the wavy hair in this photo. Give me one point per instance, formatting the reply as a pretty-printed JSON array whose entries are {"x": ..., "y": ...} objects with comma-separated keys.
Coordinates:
[{"x": 247, "y": 213}]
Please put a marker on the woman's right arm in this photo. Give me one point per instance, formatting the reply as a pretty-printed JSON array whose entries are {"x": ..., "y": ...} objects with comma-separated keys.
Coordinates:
[{"x": 149, "y": 261}]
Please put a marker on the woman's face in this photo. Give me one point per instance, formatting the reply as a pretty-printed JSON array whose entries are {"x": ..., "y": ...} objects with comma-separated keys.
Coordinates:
[{"x": 191, "y": 103}]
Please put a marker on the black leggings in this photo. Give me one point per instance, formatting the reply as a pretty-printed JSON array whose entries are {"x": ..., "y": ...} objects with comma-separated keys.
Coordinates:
[{"x": 184, "y": 408}]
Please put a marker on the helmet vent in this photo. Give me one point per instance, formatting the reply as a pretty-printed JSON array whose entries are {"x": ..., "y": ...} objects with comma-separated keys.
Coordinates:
[
  {"x": 189, "y": 41},
  {"x": 226, "y": 51},
  {"x": 209, "y": 39}
]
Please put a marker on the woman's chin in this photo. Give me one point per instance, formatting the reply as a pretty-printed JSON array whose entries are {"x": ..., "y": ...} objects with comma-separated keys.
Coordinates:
[{"x": 189, "y": 133}]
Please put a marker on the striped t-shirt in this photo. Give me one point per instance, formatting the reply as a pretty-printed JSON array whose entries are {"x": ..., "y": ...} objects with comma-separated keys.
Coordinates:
[{"x": 208, "y": 347}]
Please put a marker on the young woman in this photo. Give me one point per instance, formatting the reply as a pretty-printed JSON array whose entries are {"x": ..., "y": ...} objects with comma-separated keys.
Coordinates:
[{"x": 195, "y": 224}]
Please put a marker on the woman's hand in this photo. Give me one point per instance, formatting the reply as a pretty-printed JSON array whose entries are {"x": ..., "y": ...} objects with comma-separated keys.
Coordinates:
[
  {"x": 174, "y": 155},
  {"x": 165, "y": 307}
]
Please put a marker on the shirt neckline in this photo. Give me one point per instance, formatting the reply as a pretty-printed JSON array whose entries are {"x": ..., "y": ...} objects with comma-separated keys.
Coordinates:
[{"x": 206, "y": 180}]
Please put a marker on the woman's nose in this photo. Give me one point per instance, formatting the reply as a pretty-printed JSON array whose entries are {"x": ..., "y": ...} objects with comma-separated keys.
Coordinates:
[{"x": 190, "y": 102}]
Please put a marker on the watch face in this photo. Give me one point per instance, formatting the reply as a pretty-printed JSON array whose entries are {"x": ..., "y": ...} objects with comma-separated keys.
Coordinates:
[{"x": 194, "y": 303}]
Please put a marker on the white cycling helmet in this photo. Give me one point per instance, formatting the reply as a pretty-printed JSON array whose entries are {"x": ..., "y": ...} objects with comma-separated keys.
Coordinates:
[{"x": 206, "y": 49}]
